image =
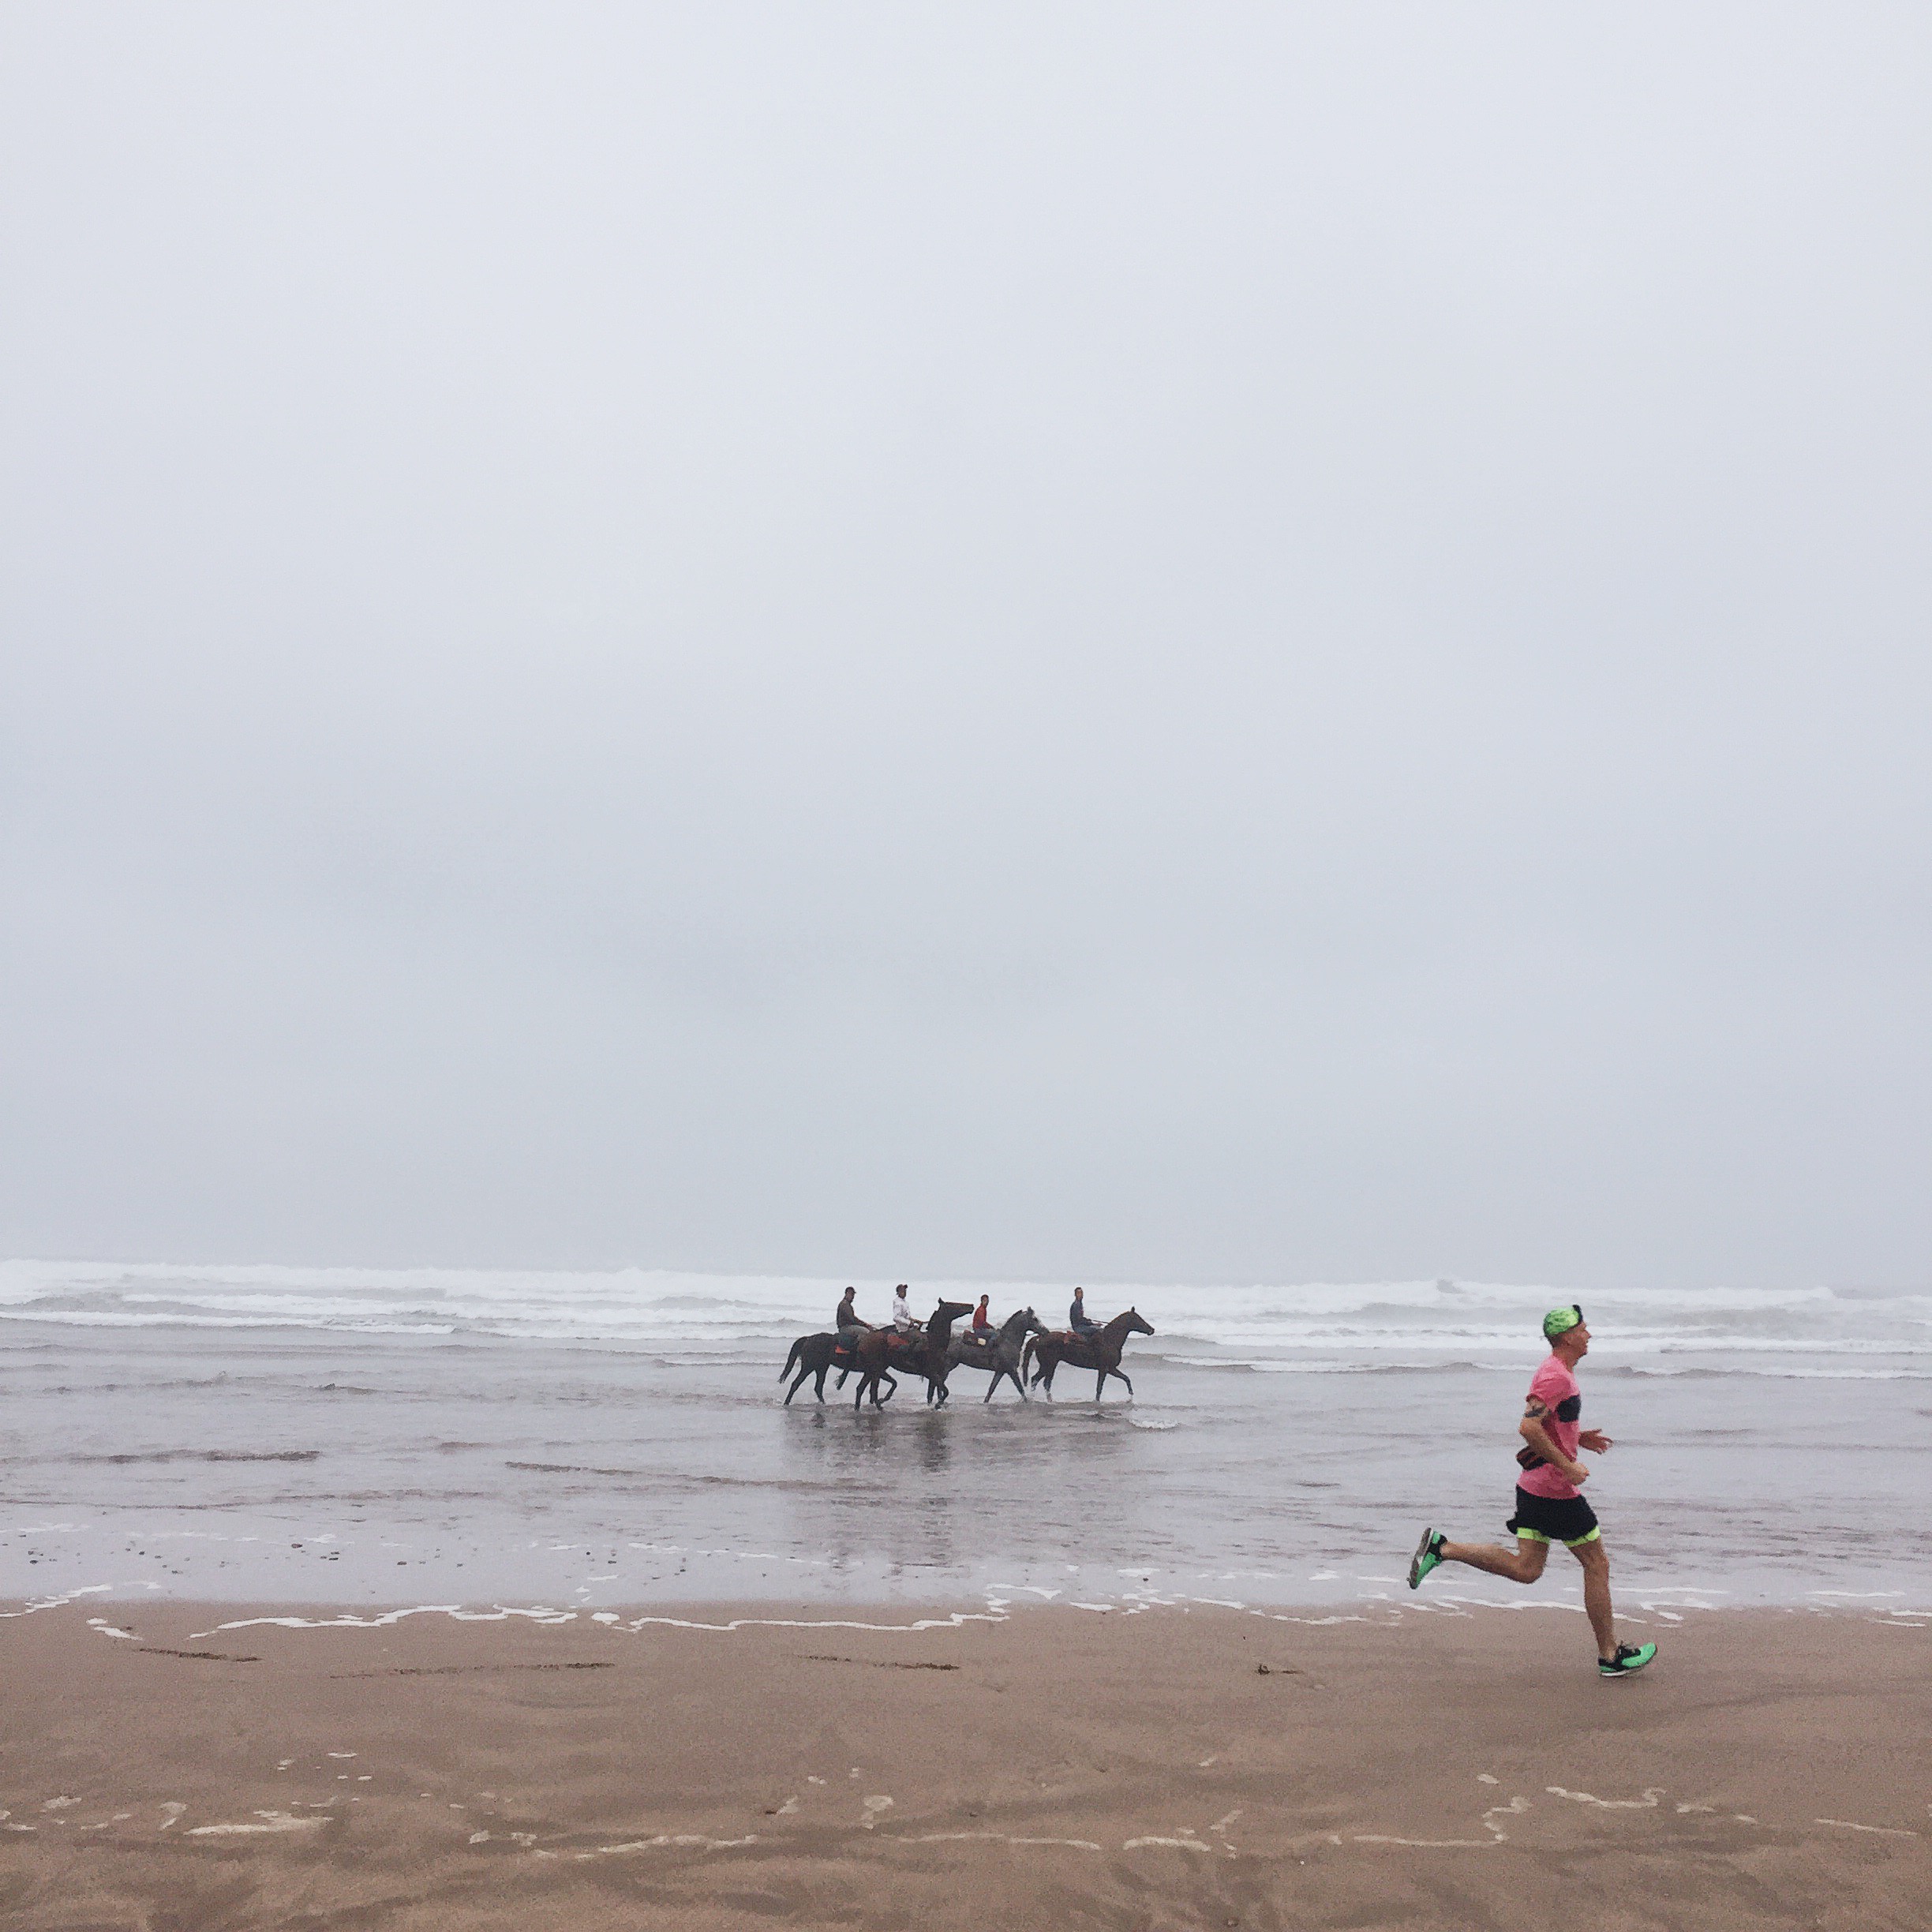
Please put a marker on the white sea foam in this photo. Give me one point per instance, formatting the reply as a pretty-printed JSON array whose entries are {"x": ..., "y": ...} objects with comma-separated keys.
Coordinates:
[{"x": 1312, "y": 1328}]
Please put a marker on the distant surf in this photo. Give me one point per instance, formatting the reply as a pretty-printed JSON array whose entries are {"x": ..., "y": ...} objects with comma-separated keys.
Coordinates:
[{"x": 1823, "y": 1329}]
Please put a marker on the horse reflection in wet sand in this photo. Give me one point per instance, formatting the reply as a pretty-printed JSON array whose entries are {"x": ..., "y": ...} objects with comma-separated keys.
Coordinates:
[
  {"x": 1100, "y": 1351},
  {"x": 999, "y": 1356}
]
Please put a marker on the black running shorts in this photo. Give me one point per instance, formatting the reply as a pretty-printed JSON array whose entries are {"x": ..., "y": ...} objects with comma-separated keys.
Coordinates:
[{"x": 1553, "y": 1519}]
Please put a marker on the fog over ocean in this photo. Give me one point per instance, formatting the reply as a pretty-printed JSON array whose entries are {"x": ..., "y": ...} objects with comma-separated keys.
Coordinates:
[{"x": 376, "y": 1438}]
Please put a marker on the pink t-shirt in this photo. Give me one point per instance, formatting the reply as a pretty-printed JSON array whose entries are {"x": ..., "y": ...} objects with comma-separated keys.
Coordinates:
[{"x": 1556, "y": 1387}]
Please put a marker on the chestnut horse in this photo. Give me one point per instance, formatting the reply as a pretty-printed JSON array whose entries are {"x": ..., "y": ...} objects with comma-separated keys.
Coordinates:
[{"x": 1045, "y": 1353}]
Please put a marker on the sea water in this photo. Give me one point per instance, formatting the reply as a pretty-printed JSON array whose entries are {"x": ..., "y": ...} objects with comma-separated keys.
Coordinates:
[{"x": 375, "y": 1437}]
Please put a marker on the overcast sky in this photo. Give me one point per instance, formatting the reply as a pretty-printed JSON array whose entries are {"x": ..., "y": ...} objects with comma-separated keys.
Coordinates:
[{"x": 1191, "y": 643}]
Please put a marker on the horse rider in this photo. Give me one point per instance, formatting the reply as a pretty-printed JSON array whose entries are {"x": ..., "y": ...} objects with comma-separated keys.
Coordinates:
[
  {"x": 903, "y": 1318},
  {"x": 981, "y": 1322},
  {"x": 848, "y": 1315},
  {"x": 1079, "y": 1320}
]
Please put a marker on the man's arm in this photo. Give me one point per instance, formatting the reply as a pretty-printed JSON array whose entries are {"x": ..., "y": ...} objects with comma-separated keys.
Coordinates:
[{"x": 1531, "y": 1431}]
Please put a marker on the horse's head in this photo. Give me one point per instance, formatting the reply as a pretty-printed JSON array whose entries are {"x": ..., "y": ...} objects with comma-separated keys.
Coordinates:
[
  {"x": 1035, "y": 1325},
  {"x": 1131, "y": 1321},
  {"x": 948, "y": 1312}
]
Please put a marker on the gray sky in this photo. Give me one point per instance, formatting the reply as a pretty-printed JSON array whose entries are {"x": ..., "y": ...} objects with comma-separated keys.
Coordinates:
[{"x": 1198, "y": 642}]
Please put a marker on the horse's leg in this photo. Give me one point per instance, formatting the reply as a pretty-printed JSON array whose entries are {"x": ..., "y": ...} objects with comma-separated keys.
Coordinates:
[
  {"x": 821, "y": 1376},
  {"x": 1099, "y": 1380}
]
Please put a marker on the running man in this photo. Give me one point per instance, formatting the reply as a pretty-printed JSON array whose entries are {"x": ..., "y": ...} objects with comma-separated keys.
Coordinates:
[{"x": 1549, "y": 1508}]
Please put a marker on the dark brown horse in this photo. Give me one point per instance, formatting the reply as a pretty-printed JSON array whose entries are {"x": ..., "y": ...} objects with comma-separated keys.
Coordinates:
[
  {"x": 923, "y": 1355},
  {"x": 1043, "y": 1353},
  {"x": 814, "y": 1355}
]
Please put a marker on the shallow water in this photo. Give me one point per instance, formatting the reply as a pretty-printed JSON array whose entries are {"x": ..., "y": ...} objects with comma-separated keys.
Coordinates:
[{"x": 278, "y": 1435}]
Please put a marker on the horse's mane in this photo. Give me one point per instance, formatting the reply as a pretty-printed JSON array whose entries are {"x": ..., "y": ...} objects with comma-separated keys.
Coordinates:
[{"x": 944, "y": 1315}]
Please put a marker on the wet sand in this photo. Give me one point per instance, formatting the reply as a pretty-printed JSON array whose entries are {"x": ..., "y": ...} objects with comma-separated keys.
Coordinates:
[
  {"x": 1050, "y": 1768},
  {"x": 278, "y": 1465}
]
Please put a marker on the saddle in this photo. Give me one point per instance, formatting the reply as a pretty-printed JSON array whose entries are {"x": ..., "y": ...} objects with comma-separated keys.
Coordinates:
[{"x": 845, "y": 1349}]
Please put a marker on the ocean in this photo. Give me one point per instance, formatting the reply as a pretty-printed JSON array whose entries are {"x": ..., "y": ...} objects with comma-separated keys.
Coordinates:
[{"x": 543, "y": 1442}]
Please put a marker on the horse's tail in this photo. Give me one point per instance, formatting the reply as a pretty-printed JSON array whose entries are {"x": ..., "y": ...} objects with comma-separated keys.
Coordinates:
[
  {"x": 1026, "y": 1354},
  {"x": 792, "y": 1359}
]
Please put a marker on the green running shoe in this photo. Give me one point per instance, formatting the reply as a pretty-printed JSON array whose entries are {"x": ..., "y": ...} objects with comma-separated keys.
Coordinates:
[
  {"x": 1428, "y": 1554},
  {"x": 1629, "y": 1659}
]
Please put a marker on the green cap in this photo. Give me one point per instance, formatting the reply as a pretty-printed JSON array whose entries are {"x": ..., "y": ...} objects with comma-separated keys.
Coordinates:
[{"x": 1560, "y": 1321}]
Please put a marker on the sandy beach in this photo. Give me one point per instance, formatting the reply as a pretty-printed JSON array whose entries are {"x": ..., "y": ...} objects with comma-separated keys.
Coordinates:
[{"x": 171, "y": 1765}]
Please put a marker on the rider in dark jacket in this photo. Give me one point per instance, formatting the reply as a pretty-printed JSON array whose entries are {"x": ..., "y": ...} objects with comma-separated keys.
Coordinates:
[
  {"x": 848, "y": 1315},
  {"x": 1078, "y": 1320}
]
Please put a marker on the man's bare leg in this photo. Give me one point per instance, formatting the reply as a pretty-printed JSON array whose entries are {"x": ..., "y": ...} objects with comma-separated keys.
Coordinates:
[
  {"x": 1523, "y": 1564},
  {"x": 1596, "y": 1561}
]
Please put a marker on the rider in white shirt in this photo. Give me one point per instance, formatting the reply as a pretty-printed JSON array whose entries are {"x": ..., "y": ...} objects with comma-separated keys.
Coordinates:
[{"x": 902, "y": 1311}]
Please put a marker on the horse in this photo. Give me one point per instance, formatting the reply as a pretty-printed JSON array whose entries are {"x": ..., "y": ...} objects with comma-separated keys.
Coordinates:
[
  {"x": 1043, "y": 1353},
  {"x": 924, "y": 1353},
  {"x": 815, "y": 1355},
  {"x": 1001, "y": 1356}
]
